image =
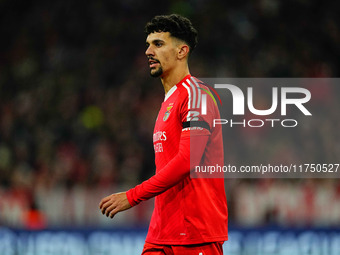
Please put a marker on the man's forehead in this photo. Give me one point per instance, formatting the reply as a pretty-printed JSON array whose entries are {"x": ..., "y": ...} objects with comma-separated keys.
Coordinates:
[{"x": 158, "y": 36}]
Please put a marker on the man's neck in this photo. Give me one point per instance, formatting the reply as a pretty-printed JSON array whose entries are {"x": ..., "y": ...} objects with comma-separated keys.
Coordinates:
[{"x": 172, "y": 79}]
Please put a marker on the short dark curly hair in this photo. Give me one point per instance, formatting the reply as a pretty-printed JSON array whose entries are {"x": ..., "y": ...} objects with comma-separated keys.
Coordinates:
[{"x": 177, "y": 25}]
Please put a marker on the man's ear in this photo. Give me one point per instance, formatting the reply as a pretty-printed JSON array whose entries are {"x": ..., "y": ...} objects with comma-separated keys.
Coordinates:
[{"x": 183, "y": 51}]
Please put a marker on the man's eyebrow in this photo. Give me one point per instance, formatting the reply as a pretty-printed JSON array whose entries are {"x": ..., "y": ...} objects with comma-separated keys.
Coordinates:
[{"x": 155, "y": 41}]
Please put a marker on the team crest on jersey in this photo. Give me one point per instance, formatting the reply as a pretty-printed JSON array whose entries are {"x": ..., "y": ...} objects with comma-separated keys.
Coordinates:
[{"x": 167, "y": 113}]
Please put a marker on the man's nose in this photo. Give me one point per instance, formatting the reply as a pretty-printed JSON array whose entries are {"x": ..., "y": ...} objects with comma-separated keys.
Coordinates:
[{"x": 149, "y": 51}]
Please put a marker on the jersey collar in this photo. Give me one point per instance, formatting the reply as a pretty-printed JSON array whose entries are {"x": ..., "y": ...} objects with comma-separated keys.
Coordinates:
[
  {"x": 173, "y": 89},
  {"x": 170, "y": 92}
]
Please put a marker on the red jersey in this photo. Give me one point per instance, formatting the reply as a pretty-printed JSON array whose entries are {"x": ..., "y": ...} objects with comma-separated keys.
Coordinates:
[{"x": 187, "y": 210}]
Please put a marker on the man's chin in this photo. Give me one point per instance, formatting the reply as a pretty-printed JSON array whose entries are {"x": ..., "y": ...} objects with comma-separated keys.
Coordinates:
[{"x": 156, "y": 73}]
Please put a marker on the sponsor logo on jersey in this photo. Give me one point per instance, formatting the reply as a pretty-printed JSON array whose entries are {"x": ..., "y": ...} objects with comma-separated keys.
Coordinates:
[{"x": 159, "y": 136}]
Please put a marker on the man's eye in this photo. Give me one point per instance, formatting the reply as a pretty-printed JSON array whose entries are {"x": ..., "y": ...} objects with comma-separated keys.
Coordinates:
[{"x": 158, "y": 44}]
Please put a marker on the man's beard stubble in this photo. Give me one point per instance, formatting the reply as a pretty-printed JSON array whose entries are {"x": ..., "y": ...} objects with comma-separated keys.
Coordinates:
[{"x": 157, "y": 72}]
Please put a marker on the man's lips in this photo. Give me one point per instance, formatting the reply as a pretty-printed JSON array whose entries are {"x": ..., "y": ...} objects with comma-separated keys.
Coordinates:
[{"x": 153, "y": 63}]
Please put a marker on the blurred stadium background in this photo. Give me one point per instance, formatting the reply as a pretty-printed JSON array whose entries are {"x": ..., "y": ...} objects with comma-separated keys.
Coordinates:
[{"x": 78, "y": 107}]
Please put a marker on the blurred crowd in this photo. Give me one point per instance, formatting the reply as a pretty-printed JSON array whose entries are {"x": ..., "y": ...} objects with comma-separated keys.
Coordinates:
[{"x": 77, "y": 104}]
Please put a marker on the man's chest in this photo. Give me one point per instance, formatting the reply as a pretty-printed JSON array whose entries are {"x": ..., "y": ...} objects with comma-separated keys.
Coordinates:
[{"x": 168, "y": 126}]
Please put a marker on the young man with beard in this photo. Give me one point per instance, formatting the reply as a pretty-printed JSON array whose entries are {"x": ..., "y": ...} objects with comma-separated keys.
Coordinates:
[{"x": 190, "y": 214}]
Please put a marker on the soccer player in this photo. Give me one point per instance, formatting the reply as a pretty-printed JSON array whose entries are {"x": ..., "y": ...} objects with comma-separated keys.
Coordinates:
[{"x": 190, "y": 214}]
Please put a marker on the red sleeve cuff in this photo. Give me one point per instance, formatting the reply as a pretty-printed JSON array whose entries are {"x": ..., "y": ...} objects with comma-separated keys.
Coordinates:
[{"x": 129, "y": 195}]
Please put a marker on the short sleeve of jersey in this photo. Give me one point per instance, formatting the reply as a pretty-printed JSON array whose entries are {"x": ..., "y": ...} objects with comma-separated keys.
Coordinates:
[{"x": 198, "y": 108}]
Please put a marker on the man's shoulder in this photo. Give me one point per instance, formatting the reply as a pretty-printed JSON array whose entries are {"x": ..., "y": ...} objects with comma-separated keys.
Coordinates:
[
  {"x": 192, "y": 89},
  {"x": 189, "y": 86}
]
